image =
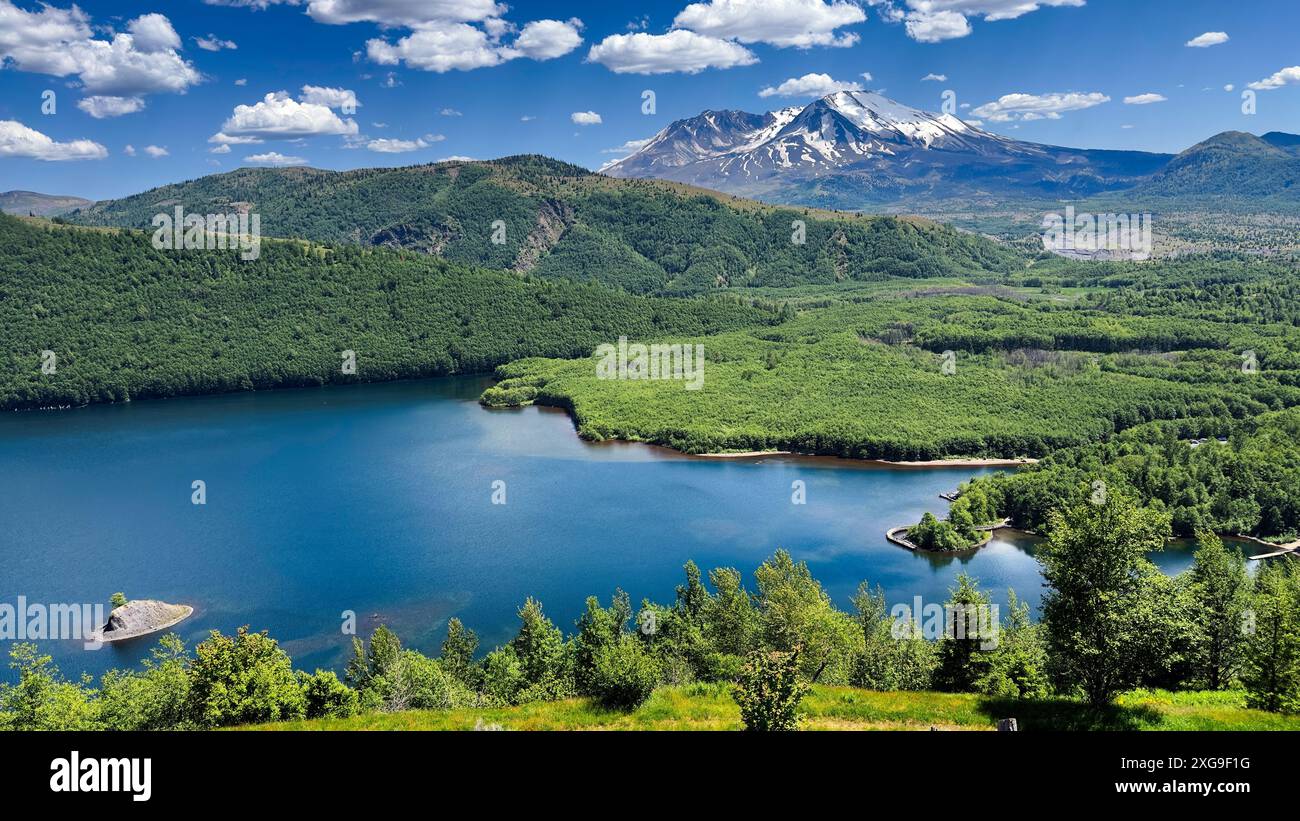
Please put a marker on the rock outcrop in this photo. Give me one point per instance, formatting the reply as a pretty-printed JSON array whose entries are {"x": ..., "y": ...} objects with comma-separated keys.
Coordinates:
[{"x": 140, "y": 618}]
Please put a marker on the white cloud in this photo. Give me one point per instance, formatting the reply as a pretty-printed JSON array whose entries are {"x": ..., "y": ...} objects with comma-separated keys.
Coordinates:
[
  {"x": 1287, "y": 75},
  {"x": 154, "y": 32},
  {"x": 17, "y": 140},
  {"x": 274, "y": 158},
  {"x": 342, "y": 98},
  {"x": 585, "y": 118},
  {"x": 677, "y": 51},
  {"x": 527, "y": 118},
  {"x": 101, "y": 107},
  {"x": 61, "y": 43},
  {"x": 441, "y": 48},
  {"x": 408, "y": 13},
  {"x": 935, "y": 27},
  {"x": 129, "y": 150},
  {"x": 221, "y": 149},
  {"x": 155, "y": 151},
  {"x": 629, "y": 147},
  {"x": 213, "y": 43},
  {"x": 1027, "y": 107},
  {"x": 457, "y": 158},
  {"x": 937, "y": 78},
  {"x": 279, "y": 117},
  {"x": 809, "y": 85},
  {"x": 799, "y": 23},
  {"x": 932, "y": 21},
  {"x": 450, "y": 112},
  {"x": 242, "y": 81},
  {"x": 1209, "y": 38},
  {"x": 548, "y": 39},
  {"x": 1145, "y": 99},
  {"x": 389, "y": 146},
  {"x": 1229, "y": 87}
]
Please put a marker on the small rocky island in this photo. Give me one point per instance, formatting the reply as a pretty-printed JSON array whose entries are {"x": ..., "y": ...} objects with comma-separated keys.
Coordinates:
[{"x": 140, "y": 618}]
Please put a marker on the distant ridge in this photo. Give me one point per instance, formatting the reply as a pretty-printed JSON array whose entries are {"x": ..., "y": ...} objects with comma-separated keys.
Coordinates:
[{"x": 25, "y": 203}]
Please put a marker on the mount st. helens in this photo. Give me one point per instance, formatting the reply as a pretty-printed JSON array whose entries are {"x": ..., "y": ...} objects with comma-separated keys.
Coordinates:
[
  {"x": 859, "y": 149},
  {"x": 875, "y": 149}
]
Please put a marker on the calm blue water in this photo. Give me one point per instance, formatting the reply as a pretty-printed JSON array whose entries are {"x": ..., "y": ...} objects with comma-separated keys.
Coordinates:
[{"x": 378, "y": 499}]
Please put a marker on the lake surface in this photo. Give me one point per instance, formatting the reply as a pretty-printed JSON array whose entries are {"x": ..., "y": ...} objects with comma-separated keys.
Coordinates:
[{"x": 378, "y": 499}]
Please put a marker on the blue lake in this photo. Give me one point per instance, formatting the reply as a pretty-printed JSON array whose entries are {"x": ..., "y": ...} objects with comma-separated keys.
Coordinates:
[{"x": 378, "y": 499}]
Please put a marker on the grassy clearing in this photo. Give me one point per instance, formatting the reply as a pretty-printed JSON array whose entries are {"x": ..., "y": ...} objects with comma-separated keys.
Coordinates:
[{"x": 710, "y": 707}]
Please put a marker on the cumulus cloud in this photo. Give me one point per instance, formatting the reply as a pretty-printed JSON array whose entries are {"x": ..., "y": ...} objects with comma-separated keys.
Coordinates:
[
  {"x": 390, "y": 146},
  {"x": 1145, "y": 99},
  {"x": 155, "y": 150},
  {"x": 17, "y": 140},
  {"x": 101, "y": 107},
  {"x": 798, "y": 23},
  {"x": 279, "y": 117},
  {"x": 213, "y": 43},
  {"x": 1026, "y": 107},
  {"x": 408, "y": 13},
  {"x": 809, "y": 85},
  {"x": 61, "y": 42},
  {"x": 154, "y": 32},
  {"x": 341, "y": 98},
  {"x": 932, "y": 21},
  {"x": 1209, "y": 38},
  {"x": 548, "y": 39},
  {"x": 585, "y": 118},
  {"x": 677, "y": 51},
  {"x": 935, "y": 27},
  {"x": 1291, "y": 74},
  {"x": 274, "y": 158},
  {"x": 442, "y": 48},
  {"x": 937, "y": 78}
]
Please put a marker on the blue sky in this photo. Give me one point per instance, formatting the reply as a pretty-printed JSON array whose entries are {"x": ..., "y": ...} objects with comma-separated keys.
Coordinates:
[{"x": 147, "y": 92}]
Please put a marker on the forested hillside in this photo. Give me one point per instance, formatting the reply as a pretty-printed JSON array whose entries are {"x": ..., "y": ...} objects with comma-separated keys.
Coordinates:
[
  {"x": 125, "y": 320},
  {"x": 559, "y": 221}
]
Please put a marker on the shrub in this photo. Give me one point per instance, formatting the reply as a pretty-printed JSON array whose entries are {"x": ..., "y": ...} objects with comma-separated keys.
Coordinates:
[
  {"x": 769, "y": 691},
  {"x": 625, "y": 674},
  {"x": 327, "y": 697}
]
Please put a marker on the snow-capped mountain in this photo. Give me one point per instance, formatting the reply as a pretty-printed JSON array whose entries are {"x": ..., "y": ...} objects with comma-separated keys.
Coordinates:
[{"x": 862, "y": 145}]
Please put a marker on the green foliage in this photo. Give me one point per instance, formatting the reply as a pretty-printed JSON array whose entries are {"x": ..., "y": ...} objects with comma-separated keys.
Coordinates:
[
  {"x": 242, "y": 679},
  {"x": 544, "y": 661},
  {"x": 43, "y": 699},
  {"x": 118, "y": 600},
  {"x": 769, "y": 691},
  {"x": 564, "y": 222},
  {"x": 127, "y": 321},
  {"x": 796, "y": 613},
  {"x": 326, "y": 696},
  {"x": 1271, "y": 670},
  {"x": 894, "y": 655},
  {"x": 598, "y": 629},
  {"x": 457, "y": 656},
  {"x": 962, "y": 660},
  {"x": 155, "y": 698},
  {"x": 1097, "y": 616},
  {"x": 932, "y": 534},
  {"x": 624, "y": 674},
  {"x": 1220, "y": 588}
]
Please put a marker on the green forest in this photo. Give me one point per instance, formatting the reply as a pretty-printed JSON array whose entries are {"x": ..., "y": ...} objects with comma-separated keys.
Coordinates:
[
  {"x": 126, "y": 321},
  {"x": 556, "y": 220}
]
